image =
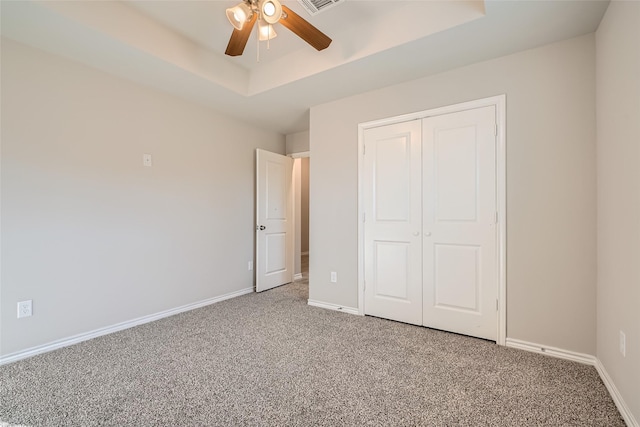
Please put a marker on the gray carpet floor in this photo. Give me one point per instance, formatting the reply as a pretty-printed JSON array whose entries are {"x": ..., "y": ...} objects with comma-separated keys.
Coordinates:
[{"x": 269, "y": 359}]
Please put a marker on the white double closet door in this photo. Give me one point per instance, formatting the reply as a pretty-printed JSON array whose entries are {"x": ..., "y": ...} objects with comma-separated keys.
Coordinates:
[{"x": 429, "y": 194}]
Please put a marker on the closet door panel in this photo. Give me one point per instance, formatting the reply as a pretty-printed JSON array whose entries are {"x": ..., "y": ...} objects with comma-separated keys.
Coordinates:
[
  {"x": 459, "y": 220},
  {"x": 393, "y": 204}
]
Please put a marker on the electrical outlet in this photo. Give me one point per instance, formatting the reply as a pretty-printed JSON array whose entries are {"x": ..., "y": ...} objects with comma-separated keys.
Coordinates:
[
  {"x": 146, "y": 160},
  {"x": 334, "y": 277},
  {"x": 250, "y": 265},
  {"x": 24, "y": 309},
  {"x": 623, "y": 344}
]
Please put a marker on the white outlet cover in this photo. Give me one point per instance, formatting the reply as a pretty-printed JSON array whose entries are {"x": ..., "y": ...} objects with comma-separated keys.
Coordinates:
[
  {"x": 25, "y": 309},
  {"x": 146, "y": 160}
]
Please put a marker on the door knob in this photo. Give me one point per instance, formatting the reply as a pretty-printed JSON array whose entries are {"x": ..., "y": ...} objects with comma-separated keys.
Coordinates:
[
  {"x": 261, "y": 227},
  {"x": 416, "y": 233},
  {"x": 427, "y": 233}
]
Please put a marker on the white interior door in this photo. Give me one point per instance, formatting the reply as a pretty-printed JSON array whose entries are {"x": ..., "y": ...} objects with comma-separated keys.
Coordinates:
[
  {"x": 392, "y": 227},
  {"x": 459, "y": 222},
  {"x": 274, "y": 216}
]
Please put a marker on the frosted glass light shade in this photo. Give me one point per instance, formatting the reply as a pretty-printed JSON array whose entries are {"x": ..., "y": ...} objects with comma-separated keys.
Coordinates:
[
  {"x": 238, "y": 15},
  {"x": 265, "y": 31},
  {"x": 270, "y": 10}
]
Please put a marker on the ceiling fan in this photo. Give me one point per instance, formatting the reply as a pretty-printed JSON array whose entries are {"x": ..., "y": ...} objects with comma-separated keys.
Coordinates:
[{"x": 268, "y": 12}]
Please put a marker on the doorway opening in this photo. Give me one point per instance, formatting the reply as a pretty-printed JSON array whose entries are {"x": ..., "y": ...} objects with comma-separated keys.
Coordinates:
[{"x": 301, "y": 165}]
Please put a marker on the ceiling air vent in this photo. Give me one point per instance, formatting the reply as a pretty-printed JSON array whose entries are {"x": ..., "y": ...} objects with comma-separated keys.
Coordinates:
[{"x": 316, "y": 6}]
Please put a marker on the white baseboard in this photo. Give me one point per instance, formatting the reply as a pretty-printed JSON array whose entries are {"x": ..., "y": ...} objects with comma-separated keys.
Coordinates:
[
  {"x": 297, "y": 276},
  {"x": 615, "y": 395},
  {"x": 335, "y": 307},
  {"x": 551, "y": 351},
  {"x": 581, "y": 358},
  {"x": 75, "y": 339}
]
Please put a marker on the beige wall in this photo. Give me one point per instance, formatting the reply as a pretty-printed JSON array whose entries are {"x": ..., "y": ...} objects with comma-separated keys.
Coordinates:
[
  {"x": 297, "y": 142},
  {"x": 618, "y": 112},
  {"x": 551, "y": 177},
  {"x": 88, "y": 233}
]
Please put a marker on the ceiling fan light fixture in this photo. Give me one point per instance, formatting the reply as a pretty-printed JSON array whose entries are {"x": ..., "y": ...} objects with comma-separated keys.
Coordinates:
[
  {"x": 270, "y": 10},
  {"x": 239, "y": 14},
  {"x": 266, "y": 31},
  {"x": 267, "y": 13}
]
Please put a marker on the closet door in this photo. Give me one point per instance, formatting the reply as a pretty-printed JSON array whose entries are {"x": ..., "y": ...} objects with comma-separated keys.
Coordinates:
[
  {"x": 392, "y": 227},
  {"x": 459, "y": 222}
]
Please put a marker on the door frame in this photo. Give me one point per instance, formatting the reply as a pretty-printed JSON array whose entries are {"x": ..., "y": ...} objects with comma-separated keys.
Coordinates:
[{"x": 499, "y": 102}]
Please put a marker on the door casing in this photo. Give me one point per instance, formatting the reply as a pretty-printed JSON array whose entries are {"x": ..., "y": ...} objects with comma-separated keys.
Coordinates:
[{"x": 500, "y": 105}]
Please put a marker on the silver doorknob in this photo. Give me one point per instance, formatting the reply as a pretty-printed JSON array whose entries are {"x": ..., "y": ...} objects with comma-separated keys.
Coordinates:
[
  {"x": 427, "y": 233},
  {"x": 261, "y": 227},
  {"x": 416, "y": 233}
]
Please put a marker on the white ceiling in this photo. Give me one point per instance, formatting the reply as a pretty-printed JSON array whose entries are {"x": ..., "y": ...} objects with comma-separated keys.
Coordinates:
[{"x": 178, "y": 46}]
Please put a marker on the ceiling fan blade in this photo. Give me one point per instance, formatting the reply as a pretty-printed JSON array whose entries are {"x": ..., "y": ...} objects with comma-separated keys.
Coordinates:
[
  {"x": 304, "y": 29},
  {"x": 239, "y": 38}
]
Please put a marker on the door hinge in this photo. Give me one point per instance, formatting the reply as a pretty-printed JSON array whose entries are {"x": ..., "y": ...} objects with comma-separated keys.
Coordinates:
[
  {"x": 364, "y": 149},
  {"x": 496, "y": 218},
  {"x": 495, "y": 130},
  {"x": 497, "y": 305},
  {"x": 364, "y": 217}
]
